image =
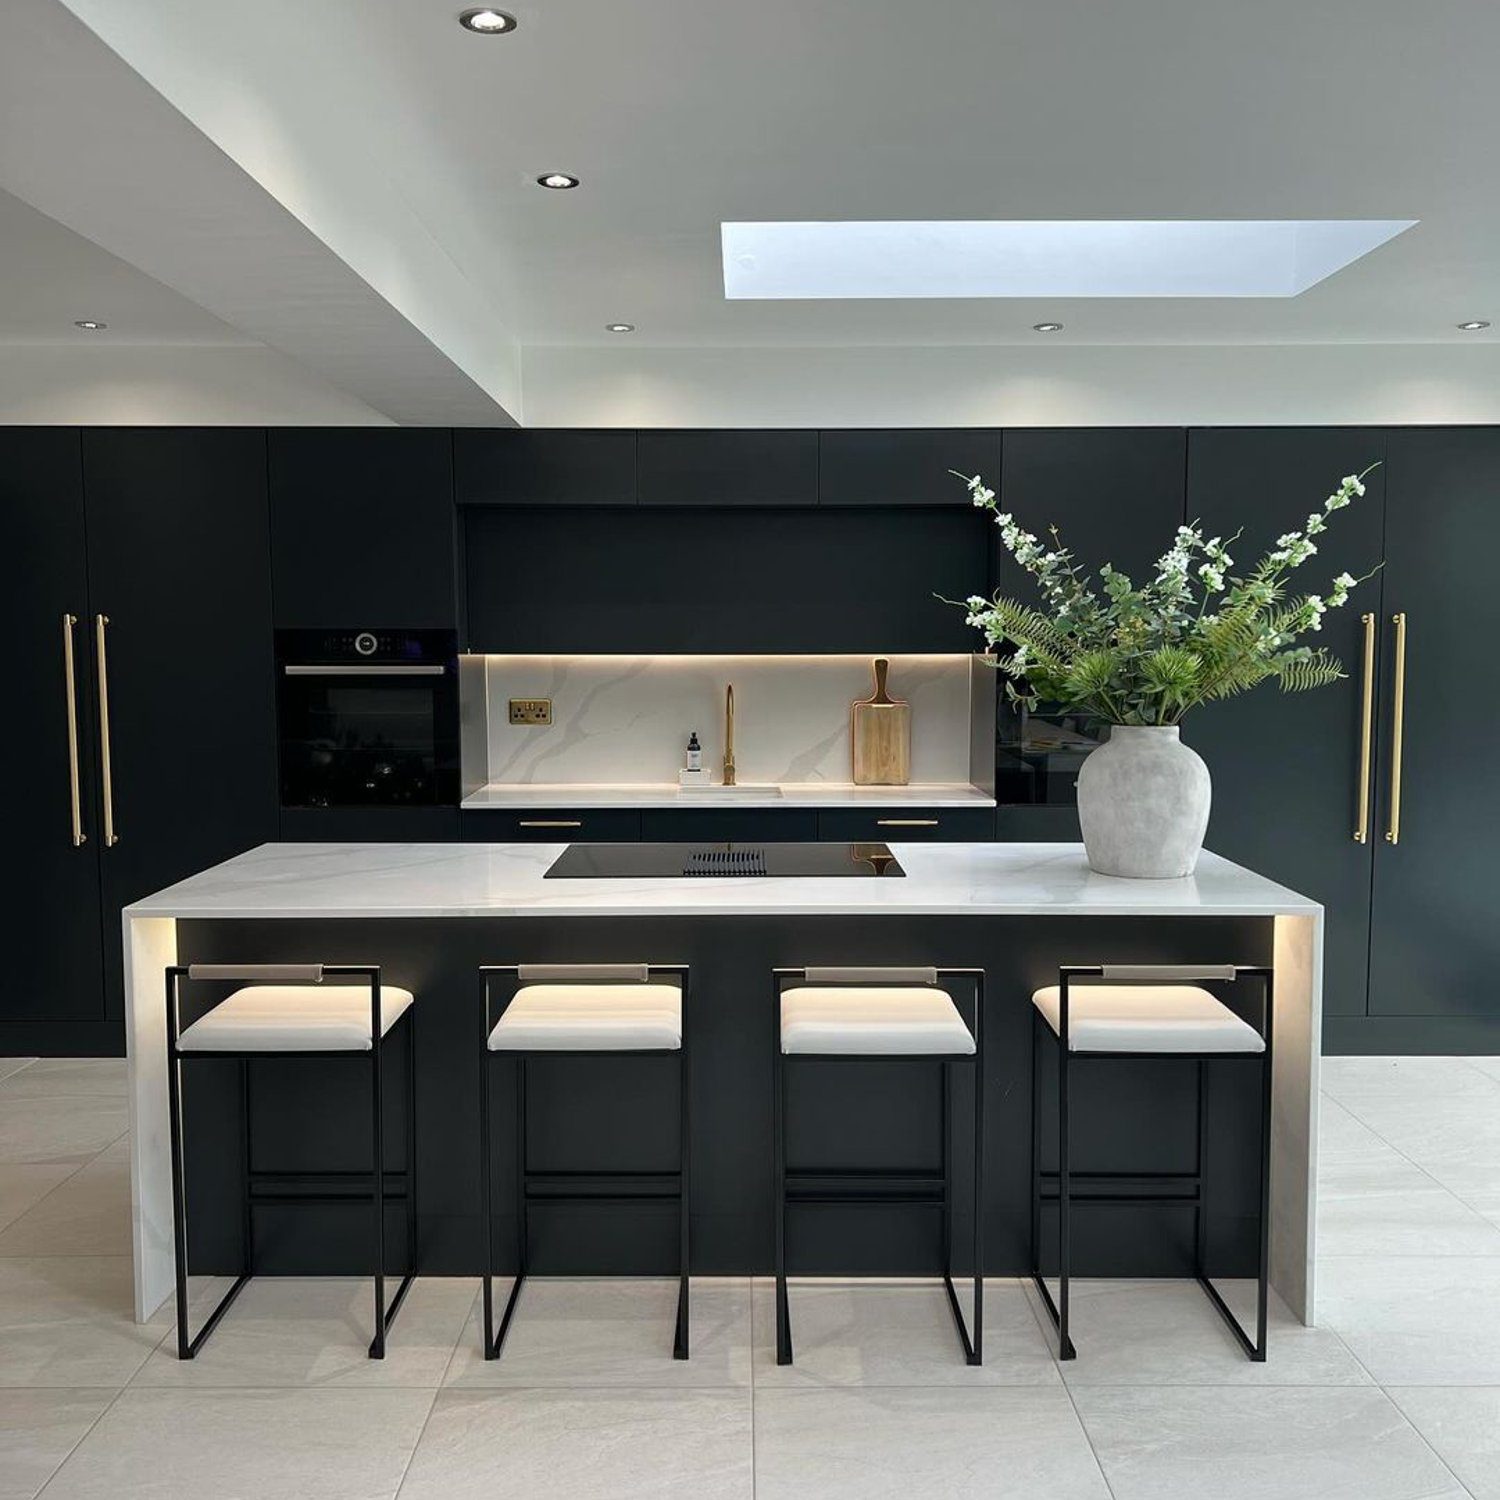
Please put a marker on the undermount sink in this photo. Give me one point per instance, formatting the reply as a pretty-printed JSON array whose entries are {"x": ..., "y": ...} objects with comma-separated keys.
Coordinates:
[{"x": 760, "y": 791}]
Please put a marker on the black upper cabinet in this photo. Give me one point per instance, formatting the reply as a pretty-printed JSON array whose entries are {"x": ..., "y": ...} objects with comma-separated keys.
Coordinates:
[
  {"x": 506, "y": 466},
  {"x": 362, "y": 527},
  {"x": 1432, "y": 933},
  {"x": 1286, "y": 766},
  {"x": 727, "y": 468},
  {"x": 1115, "y": 494},
  {"x": 178, "y": 551},
  {"x": 51, "y": 883},
  {"x": 871, "y": 467}
]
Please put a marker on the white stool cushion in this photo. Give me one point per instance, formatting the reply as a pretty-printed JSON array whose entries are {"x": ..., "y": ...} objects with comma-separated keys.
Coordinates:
[
  {"x": 872, "y": 1021},
  {"x": 1146, "y": 1018},
  {"x": 295, "y": 1018},
  {"x": 591, "y": 1018}
]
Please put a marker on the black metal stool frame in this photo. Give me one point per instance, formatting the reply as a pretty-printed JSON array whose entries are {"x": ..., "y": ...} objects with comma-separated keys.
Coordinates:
[
  {"x": 919, "y": 1186},
  {"x": 572, "y": 1187},
  {"x": 189, "y": 1345},
  {"x": 1192, "y": 1185}
]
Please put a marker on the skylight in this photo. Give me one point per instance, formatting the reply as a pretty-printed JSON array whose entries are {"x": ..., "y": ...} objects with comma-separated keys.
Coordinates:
[{"x": 1044, "y": 258}]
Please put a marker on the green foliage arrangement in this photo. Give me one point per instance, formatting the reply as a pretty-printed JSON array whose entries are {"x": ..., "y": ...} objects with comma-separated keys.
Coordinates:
[{"x": 1145, "y": 655}]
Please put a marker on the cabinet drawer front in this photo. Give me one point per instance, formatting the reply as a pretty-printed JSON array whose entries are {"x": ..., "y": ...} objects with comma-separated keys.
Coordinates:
[
  {"x": 743, "y": 824},
  {"x": 895, "y": 825},
  {"x": 563, "y": 826}
]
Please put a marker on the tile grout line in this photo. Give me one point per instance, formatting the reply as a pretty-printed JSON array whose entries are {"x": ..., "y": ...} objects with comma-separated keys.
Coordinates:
[
  {"x": 109, "y": 1406},
  {"x": 56, "y": 1186},
  {"x": 421, "y": 1433}
]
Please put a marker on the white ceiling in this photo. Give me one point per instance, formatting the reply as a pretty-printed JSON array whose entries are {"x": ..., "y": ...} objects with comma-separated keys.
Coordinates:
[{"x": 407, "y": 147}]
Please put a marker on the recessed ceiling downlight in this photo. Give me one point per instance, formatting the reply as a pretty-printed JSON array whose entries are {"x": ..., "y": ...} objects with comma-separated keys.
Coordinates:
[
  {"x": 1044, "y": 259},
  {"x": 93, "y": 325},
  {"x": 487, "y": 22},
  {"x": 1046, "y": 327},
  {"x": 1473, "y": 325},
  {"x": 557, "y": 181},
  {"x": 619, "y": 327}
]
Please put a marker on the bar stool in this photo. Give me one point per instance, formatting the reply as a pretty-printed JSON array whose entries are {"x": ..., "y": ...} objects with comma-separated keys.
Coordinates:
[
  {"x": 585, "y": 1010},
  {"x": 846, "y": 1014},
  {"x": 1141, "y": 1011},
  {"x": 286, "y": 1010}
]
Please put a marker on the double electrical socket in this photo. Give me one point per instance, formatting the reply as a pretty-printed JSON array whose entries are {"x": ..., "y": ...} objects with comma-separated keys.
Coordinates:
[{"x": 530, "y": 710}]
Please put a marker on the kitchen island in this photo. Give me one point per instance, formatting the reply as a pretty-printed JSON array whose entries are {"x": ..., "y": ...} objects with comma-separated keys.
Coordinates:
[{"x": 430, "y": 914}]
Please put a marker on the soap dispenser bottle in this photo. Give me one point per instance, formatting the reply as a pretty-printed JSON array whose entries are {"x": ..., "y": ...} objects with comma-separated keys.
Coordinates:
[{"x": 694, "y": 753}]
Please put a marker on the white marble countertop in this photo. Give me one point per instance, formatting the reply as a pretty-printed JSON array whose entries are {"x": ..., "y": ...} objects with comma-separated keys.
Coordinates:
[
  {"x": 500, "y": 880},
  {"x": 665, "y": 794}
]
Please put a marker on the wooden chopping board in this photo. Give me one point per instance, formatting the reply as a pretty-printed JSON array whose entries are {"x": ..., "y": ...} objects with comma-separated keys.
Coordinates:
[{"x": 880, "y": 733}]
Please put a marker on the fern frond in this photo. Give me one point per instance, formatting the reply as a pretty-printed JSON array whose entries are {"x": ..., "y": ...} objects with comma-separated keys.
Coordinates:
[{"x": 1303, "y": 673}]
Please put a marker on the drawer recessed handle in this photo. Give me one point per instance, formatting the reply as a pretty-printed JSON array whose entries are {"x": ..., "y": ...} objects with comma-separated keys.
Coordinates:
[
  {"x": 906, "y": 822},
  {"x": 551, "y": 823}
]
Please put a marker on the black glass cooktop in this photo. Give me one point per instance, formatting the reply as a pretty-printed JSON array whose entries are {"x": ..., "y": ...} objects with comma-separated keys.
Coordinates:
[{"x": 723, "y": 861}]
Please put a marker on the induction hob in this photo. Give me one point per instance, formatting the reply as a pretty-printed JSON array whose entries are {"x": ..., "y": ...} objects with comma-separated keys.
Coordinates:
[{"x": 723, "y": 861}]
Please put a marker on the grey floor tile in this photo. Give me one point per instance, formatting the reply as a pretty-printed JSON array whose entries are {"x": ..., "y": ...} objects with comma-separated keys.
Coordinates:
[
  {"x": 38, "y": 1429},
  {"x": 224, "y": 1445},
  {"x": 585, "y": 1445},
  {"x": 1393, "y": 1208},
  {"x": 58, "y": 1130},
  {"x": 9, "y": 1066},
  {"x": 69, "y": 1321},
  {"x": 24, "y": 1185},
  {"x": 1164, "y": 1333},
  {"x": 1462, "y": 1423},
  {"x": 69, "y": 1078},
  {"x": 1290, "y": 1444},
  {"x": 600, "y": 1332},
  {"x": 1342, "y": 1139},
  {"x": 890, "y": 1443},
  {"x": 88, "y": 1214},
  {"x": 896, "y": 1333},
  {"x": 1370, "y": 1083},
  {"x": 295, "y": 1331},
  {"x": 1490, "y": 1066},
  {"x": 1415, "y": 1320}
]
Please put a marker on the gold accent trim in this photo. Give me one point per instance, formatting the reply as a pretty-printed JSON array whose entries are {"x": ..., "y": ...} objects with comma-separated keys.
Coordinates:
[
  {"x": 1366, "y": 730},
  {"x": 549, "y": 823},
  {"x": 906, "y": 822},
  {"x": 1398, "y": 729},
  {"x": 70, "y": 686},
  {"x": 111, "y": 838}
]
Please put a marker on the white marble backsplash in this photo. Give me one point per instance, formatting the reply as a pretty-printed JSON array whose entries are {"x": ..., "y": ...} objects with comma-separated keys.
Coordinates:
[{"x": 626, "y": 719}]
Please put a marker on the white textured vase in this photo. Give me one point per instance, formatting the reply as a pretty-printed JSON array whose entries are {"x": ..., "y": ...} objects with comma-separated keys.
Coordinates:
[{"x": 1143, "y": 799}]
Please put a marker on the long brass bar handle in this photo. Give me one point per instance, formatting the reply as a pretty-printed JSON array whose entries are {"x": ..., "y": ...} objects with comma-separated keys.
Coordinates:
[
  {"x": 1366, "y": 731},
  {"x": 110, "y": 837},
  {"x": 1398, "y": 726},
  {"x": 906, "y": 822},
  {"x": 70, "y": 685},
  {"x": 550, "y": 823}
]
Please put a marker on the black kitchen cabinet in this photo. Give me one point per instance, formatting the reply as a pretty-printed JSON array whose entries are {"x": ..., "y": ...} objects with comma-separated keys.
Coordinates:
[
  {"x": 567, "y": 825},
  {"x": 727, "y": 468},
  {"x": 362, "y": 528},
  {"x": 739, "y": 824},
  {"x": 1114, "y": 493},
  {"x": 179, "y": 589},
  {"x": 1432, "y": 934},
  {"x": 54, "y": 991},
  {"x": 369, "y": 825},
  {"x": 1286, "y": 765},
  {"x": 700, "y": 579},
  {"x": 511, "y": 467},
  {"x": 868, "y": 466},
  {"x": 862, "y": 825}
]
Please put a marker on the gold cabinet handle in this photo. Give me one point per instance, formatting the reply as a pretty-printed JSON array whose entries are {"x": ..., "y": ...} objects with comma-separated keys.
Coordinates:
[
  {"x": 1366, "y": 731},
  {"x": 551, "y": 823},
  {"x": 1398, "y": 726},
  {"x": 110, "y": 837},
  {"x": 906, "y": 822},
  {"x": 70, "y": 687}
]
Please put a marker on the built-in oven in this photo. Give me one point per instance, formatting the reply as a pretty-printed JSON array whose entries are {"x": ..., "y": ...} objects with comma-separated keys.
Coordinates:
[{"x": 367, "y": 718}]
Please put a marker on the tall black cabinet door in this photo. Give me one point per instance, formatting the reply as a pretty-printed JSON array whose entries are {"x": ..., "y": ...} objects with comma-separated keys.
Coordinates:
[
  {"x": 1433, "y": 944},
  {"x": 51, "y": 897},
  {"x": 179, "y": 566},
  {"x": 362, "y": 528},
  {"x": 1286, "y": 766}
]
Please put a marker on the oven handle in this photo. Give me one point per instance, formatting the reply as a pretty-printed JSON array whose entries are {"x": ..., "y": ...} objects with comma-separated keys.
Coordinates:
[{"x": 363, "y": 671}]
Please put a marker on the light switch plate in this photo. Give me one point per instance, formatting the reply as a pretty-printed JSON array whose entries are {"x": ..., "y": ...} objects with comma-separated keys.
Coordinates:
[{"x": 530, "y": 710}]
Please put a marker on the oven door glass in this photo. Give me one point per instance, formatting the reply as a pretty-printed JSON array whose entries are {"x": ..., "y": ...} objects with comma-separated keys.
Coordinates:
[{"x": 362, "y": 741}]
